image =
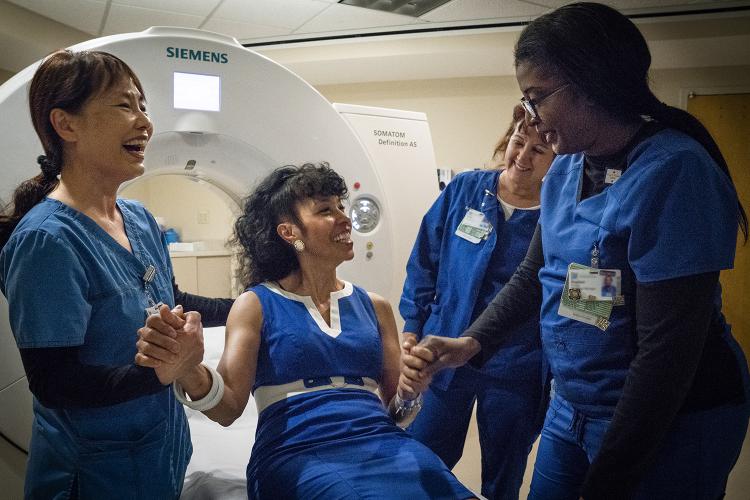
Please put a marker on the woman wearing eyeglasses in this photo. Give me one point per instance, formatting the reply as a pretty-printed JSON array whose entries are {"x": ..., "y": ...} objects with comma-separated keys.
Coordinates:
[
  {"x": 469, "y": 243},
  {"x": 651, "y": 392}
]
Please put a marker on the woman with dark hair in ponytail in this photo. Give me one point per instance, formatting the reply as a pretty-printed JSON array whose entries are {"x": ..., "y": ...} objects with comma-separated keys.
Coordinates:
[
  {"x": 651, "y": 395},
  {"x": 81, "y": 271}
]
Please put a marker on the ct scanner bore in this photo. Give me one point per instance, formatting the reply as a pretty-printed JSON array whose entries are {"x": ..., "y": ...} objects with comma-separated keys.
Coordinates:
[{"x": 257, "y": 115}]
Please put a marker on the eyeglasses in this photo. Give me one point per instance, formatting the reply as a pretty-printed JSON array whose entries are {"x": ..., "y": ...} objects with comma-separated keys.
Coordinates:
[{"x": 530, "y": 105}]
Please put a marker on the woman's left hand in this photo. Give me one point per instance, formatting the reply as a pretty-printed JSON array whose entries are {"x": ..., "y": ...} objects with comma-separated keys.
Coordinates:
[
  {"x": 406, "y": 388},
  {"x": 170, "y": 344}
]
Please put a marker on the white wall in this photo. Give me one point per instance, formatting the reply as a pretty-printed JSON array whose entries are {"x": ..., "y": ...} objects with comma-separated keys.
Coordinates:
[
  {"x": 26, "y": 37},
  {"x": 467, "y": 115},
  {"x": 668, "y": 83},
  {"x": 182, "y": 202},
  {"x": 5, "y": 75}
]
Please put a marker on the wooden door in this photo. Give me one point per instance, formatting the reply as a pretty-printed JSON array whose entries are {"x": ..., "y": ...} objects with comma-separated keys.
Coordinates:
[{"x": 727, "y": 117}]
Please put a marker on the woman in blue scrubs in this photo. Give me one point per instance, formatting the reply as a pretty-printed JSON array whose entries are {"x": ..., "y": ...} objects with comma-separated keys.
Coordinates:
[
  {"x": 80, "y": 269},
  {"x": 651, "y": 390},
  {"x": 468, "y": 246}
]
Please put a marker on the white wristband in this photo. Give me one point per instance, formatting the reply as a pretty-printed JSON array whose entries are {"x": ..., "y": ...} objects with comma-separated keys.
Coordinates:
[{"x": 210, "y": 400}]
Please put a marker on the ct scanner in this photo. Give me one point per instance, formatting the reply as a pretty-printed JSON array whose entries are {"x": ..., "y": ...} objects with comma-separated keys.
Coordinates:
[{"x": 252, "y": 116}]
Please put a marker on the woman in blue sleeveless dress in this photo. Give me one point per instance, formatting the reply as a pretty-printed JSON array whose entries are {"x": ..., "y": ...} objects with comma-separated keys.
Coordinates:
[{"x": 320, "y": 355}]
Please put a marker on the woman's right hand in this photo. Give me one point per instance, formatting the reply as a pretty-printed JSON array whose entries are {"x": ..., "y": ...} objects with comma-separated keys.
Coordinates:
[
  {"x": 434, "y": 353},
  {"x": 408, "y": 340},
  {"x": 170, "y": 342}
]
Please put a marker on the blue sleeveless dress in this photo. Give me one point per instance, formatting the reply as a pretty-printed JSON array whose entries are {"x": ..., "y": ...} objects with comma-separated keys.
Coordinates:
[{"x": 332, "y": 443}]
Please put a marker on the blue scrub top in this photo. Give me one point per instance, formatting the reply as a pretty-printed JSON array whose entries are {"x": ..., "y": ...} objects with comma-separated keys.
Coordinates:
[
  {"x": 69, "y": 283},
  {"x": 450, "y": 281},
  {"x": 672, "y": 213}
]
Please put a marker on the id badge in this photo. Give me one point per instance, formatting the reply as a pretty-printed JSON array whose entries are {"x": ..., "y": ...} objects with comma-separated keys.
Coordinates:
[
  {"x": 153, "y": 309},
  {"x": 612, "y": 175},
  {"x": 474, "y": 227},
  {"x": 589, "y": 295},
  {"x": 595, "y": 284}
]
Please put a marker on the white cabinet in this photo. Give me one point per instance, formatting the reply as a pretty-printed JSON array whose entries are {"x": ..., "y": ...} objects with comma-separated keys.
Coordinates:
[{"x": 207, "y": 273}]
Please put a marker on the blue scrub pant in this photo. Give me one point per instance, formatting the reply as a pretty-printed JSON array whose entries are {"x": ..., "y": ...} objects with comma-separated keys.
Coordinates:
[
  {"x": 508, "y": 417},
  {"x": 694, "y": 461}
]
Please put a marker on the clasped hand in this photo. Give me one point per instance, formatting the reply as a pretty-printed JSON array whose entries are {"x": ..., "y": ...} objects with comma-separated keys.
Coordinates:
[
  {"x": 171, "y": 343},
  {"x": 421, "y": 361}
]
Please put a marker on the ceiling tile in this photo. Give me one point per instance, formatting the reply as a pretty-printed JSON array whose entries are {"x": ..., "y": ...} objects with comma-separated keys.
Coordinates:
[
  {"x": 466, "y": 10},
  {"x": 346, "y": 17},
  {"x": 243, "y": 31},
  {"x": 281, "y": 13},
  {"x": 124, "y": 19},
  {"x": 84, "y": 15},
  {"x": 192, "y": 7},
  {"x": 655, "y": 4},
  {"x": 648, "y": 5}
]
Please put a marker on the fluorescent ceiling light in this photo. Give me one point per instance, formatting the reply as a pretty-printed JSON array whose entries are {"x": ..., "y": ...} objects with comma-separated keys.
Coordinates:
[{"x": 414, "y": 8}]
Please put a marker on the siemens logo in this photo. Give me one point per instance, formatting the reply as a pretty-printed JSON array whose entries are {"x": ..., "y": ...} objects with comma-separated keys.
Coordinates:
[{"x": 197, "y": 55}]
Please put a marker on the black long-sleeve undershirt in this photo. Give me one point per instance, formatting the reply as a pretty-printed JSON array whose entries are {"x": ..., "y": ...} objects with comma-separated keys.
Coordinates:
[
  {"x": 214, "y": 312},
  {"x": 58, "y": 379},
  {"x": 679, "y": 335}
]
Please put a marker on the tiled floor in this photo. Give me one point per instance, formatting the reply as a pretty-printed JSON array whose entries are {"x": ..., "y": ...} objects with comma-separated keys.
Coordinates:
[{"x": 468, "y": 469}]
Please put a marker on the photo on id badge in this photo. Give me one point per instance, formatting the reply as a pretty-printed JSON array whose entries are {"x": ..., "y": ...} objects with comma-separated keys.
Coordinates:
[
  {"x": 596, "y": 284},
  {"x": 474, "y": 227}
]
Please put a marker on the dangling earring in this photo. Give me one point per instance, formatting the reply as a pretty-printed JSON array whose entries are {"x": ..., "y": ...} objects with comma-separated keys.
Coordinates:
[{"x": 299, "y": 245}]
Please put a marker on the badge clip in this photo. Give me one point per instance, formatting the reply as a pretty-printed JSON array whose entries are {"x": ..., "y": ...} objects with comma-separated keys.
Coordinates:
[
  {"x": 602, "y": 323},
  {"x": 154, "y": 309},
  {"x": 148, "y": 276}
]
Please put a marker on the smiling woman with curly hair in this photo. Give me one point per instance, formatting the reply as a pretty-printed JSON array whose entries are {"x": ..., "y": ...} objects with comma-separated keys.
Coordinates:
[{"x": 320, "y": 355}]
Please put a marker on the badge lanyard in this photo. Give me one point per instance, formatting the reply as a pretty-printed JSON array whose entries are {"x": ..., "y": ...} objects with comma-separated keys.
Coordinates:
[
  {"x": 595, "y": 255},
  {"x": 595, "y": 252},
  {"x": 487, "y": 193},
  {"x": 148, "y": 277}
]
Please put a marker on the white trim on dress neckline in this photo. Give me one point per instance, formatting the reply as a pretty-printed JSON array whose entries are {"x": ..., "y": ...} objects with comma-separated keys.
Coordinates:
[{"x": 334, "y": 330}]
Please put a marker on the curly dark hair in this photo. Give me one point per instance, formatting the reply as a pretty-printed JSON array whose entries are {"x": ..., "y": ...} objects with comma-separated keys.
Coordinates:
[{"x": 264, "y": 255}]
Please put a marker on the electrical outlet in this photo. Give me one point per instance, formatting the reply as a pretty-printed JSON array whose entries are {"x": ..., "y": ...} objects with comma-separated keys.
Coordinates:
[{"x": 203, "y": 217}]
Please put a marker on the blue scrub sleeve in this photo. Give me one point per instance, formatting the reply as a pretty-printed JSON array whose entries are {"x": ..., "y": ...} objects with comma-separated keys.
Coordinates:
[
  {"x": 47, "y": 291},
  {"x": 422, "y": 267},
  {"x": 682, "y": 217}
]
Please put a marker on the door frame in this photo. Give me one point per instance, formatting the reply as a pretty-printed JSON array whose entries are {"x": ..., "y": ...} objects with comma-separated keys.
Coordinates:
[{"x": 686, "y": 92}]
